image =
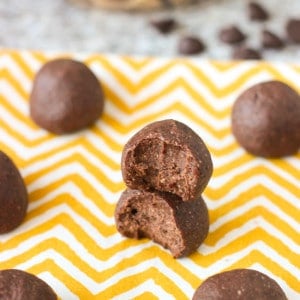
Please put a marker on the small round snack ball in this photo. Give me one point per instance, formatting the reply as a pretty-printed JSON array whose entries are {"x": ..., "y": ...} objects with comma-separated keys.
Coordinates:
[
  {"x": 178, "y": 226},
  {"x": 66, "y": 97},
  {"x": 167, "y": 156},
  {"x": 20, "y": 285},
  {"x": 266, "y": 120},
  {"x": 13, "y": 195},
  {"x": 239, "y": 284}
]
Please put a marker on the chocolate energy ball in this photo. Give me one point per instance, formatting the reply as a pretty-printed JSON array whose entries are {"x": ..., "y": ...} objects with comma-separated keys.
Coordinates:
[
  {"x": 66, "y": 96},
  {"x": 239, "y": 284},
  {"x": 167, "y": 156},
  {"x": 13, "y": 195},
  {"x": 266, "y": 120},
  {"x": 178, "y": 226},
  {"x": 20, "y": 285}
]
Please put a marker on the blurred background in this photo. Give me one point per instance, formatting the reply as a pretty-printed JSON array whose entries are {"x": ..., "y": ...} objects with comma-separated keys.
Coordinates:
[{"x": 78, "y": 26}]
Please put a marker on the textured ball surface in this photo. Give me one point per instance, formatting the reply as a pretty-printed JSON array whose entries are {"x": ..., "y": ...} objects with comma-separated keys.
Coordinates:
[
  {"x": 266, "y": 120},
  {"x": 66, "y": 97},
  {"x": 13, "y": 195}
]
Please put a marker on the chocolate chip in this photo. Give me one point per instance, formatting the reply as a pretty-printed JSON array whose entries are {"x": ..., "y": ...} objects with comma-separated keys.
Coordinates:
[
  {"x": 231, "y": 35},
  {"x": 244, "y": 52},
  {"x": 271, "y": 40},
  {"x": 189, "y": 45},
  {"x": 13, "y": 195},
  {"x": 257, "y": 12},
  {"x": 293, "y": 30},
  {"x": 66, "y": 96},
  {"x": 266, "y": 119},
  {"x": 21, "y": 285},
  {"x": 164, "y": 25},
  {"x": 239, "y": 284}
]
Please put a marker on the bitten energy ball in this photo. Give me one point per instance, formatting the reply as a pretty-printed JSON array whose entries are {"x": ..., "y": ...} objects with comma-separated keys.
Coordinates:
[
  {"x": 20, "y": 285},
  {"x": 178, "y": 226},
  {"x": 13, "y": 195},
  {"x": 167, "y": 156},
  {"x": 266, "y": 120},
  {"x": 239, "y": 284},
  {"x": 66, "y": 97}
]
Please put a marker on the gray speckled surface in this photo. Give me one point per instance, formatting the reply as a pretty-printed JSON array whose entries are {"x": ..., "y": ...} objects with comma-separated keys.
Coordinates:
[{"x": 61, "y": 25}]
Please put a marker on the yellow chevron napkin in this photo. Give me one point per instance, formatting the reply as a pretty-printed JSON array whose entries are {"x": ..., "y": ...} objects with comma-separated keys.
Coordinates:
[{"x": 69, "y": 238}]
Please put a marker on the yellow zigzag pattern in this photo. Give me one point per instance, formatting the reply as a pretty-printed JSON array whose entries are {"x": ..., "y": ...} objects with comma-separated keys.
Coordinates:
[{"x": 74, "y": 182}]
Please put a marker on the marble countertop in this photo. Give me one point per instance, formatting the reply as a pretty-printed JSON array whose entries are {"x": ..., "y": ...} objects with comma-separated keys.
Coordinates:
[{"x": 63, "y": 25}]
